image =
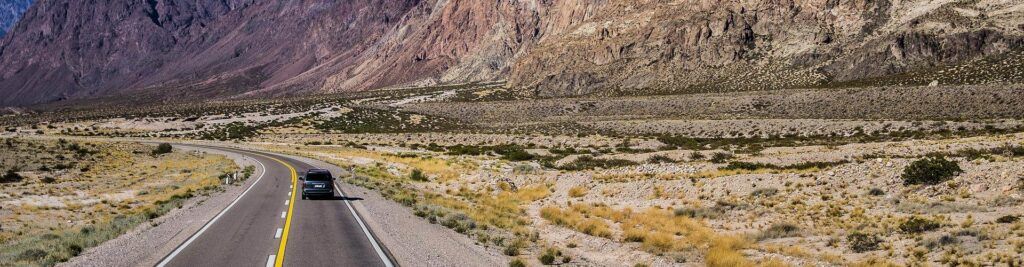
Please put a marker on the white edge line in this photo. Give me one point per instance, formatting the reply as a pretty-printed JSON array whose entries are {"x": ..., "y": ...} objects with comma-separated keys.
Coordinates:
[
  {"x": 182, "y": 247},
  {"x": 271, "y": 260},
  {"x": 380, "y": 252}
]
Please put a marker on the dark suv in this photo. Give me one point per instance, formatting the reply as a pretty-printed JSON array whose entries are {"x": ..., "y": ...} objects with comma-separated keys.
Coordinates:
[{"x": 317, "y": 183}]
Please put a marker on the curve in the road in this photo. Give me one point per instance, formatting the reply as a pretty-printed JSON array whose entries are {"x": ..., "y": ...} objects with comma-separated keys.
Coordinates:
[{"x": 315, "y": 233}]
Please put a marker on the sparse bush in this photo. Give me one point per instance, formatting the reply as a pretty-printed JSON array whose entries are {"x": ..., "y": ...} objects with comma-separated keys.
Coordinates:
[
  {"x": 658, "y": 242},
  {"x": 516, "y": 263},
  {"x": 721, "y": 157},
  {"x": 248, "y": 171},
  {"x": 577, "y": 191},
  {"x": 634, "y": 235},
  {"x": 749, "y": 166},
  {"x": 930, "y": 171},
  {"x": 524, "y": 169},
  {"x": 764, "y": 192},
  {"x": 11, "y": 176},
  {"x": 740, "y": 165},
  {"x": 459, "y": 222},
  {"x": 549, "y": 255},
  {"x": 1008, "y": 219},
  {"x": 876, "y": 192},
  {"x": 699, "y": 213},
  {"x": 863, "y": 242},
  {"x": 575, "y": 220},
  {"x": 588, "y": 162},
  {"x": 512, "y": 250},
  {"x": 696, "y": 156},
  {"x": 32, "y": 255},
  {"x": 417, "y": 175},
  {"x": 658, "y": 159},
  {"x": 781, "y": 230},
  {"x": 162, "y": 148},
  {"x": 516, "y": 155},
  {"x": 916, "y": 224}
]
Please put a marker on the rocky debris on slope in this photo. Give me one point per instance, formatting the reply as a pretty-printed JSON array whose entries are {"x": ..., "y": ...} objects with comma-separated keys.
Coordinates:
[{"x": 707, "y": 46}]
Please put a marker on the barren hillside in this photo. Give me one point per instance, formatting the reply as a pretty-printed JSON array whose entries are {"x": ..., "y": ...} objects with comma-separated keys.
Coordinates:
[{"x": 174, "y": 49}]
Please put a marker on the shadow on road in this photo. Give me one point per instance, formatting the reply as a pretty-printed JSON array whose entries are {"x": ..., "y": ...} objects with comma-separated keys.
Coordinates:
[{"x": 335, "y": 198}]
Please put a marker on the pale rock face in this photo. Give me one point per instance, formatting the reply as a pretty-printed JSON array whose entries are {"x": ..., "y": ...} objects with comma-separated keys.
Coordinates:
[{"x": 181, "y": 49}]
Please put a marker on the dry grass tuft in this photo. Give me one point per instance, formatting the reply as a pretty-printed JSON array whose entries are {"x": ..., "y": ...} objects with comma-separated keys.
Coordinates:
[
  {"x": 578, "y": 191},
  {"x": 575, "y": 220}
]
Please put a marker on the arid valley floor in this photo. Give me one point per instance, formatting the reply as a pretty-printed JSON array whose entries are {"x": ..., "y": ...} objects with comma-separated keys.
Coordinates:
[{"x": 814, "y": 177}]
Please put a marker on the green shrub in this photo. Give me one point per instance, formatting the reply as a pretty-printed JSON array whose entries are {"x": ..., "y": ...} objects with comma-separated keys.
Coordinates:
[
  {"x": 511, "y": 250},
  {"x": 740, "y": 165},
  {"x": 248, "y": 171},
  {"x": 546, "y": 259},
  {"x": 863, "y": 242},
  {"x": 549, "y": 256},
  {"x": 930, "y": 171},
  {"x": 918, "y": 225},
  {"x": 720, "y": 157},
  {"x": 163, "y": 148},
  {"x": 589, "y": 163},
  {"x": 1008, "y": 219},
  {"x": 11, "y": 176},
  {"x": 657, "y": 159},
  {"x": 417, "y": 175},
  {"x": 512, "y": 152}
]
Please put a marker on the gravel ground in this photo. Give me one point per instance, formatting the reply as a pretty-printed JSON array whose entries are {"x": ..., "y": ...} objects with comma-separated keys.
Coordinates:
[
  {"x": 147, "y": 244},
  {"x": 411, "y": 240}
]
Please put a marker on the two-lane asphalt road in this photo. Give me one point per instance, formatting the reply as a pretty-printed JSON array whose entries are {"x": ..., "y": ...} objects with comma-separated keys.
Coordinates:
[{"x": 270, "y": 225}]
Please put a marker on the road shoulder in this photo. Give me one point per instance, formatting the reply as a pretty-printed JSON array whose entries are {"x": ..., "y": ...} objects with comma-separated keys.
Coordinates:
[
  {"x": 411, "y": 240},
  {"x": 149, "y": 242}
]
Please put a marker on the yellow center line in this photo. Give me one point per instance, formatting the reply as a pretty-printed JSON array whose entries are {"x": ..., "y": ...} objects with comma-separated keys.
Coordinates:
[{"x": 288, "y": 220}]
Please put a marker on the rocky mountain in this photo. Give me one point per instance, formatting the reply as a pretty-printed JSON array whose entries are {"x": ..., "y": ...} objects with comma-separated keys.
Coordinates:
[
  {"x": 178, "y": 49},
  {"x": 10, "y": 12}
]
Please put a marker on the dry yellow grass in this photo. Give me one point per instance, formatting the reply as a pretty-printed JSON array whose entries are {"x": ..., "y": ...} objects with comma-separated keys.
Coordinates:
[
  {"x": 110, "y": 189},
  {"x": 658, "y": 231},
  {"x": 576, "y": 221},
  {"x": 578, "y": 191},
  {"x": 443, "y": 169}
]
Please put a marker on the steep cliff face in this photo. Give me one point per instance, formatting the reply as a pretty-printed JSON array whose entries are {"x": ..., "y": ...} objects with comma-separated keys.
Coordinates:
[
  {"x": 221, "y": 48},
  {"x": 10, "y": 12}
]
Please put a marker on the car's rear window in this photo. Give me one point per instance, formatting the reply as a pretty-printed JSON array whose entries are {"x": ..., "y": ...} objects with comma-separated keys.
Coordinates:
[{"x": 318, "y": 176}]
